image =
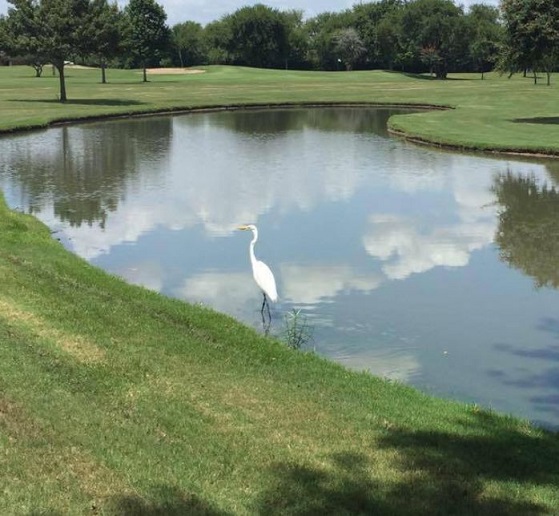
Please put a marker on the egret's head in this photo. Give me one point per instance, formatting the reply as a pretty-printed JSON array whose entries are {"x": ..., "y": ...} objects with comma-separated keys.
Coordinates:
[{"x": 247, "y": 227}]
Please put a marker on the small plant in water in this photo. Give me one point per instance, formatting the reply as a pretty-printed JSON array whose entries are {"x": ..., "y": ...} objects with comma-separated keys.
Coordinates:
[{"x": 297, "y": 331}]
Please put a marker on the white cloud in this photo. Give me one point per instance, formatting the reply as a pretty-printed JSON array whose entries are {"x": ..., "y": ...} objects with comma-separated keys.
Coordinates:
[
  {"x": 310, "y": 284},
  {"x": 406, "y": 249},
  {"x": 409, "y": 245},
  {"x": 227, "y": 292}
]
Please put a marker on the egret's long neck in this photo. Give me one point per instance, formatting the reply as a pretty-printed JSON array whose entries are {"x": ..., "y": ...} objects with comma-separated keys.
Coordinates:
[{"x": 251, "y": 247}]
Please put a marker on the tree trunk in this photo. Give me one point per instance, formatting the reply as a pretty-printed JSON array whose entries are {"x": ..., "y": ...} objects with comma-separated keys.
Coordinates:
[
  {"x": 482, "y": 75},
  {"x": 103, "y": 72},
  {"x": 145, "y": 74},
  {"x": 548, "y": 78},
  {"x": 60, "y": 68},
  {"x": 180, "y": 57},
  {"x": 535, "y": 77}
]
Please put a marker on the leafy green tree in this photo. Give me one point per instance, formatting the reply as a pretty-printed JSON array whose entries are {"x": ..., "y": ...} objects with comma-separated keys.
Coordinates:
[
  {"x": 297, "y": 42},
  {"x": 216, "y": 38},
  {"x": 374, "y": 31},
  {"x": 188, "y": 42},
  {"x": 37, "y": 62},
  {"x": 349, "y": 47},
  {"x": 106, "y": 28},
  {"x": 53, "y": 29},
  {"x": 532, "y": 34},
  {"x": 484, "y": 53},
  {"x": 258, "y": 37},
  {"x": 431, "y": 57},
  {"x": 321, "y": 33},
  {"x": 148, "y": 36},
  {"x": 487, "y": 36},
  {"x": 549, "y": 62},
  {"x": 387, "y": 41},
  {"x": 3, "y": 35},
  {"x": 438, "y": 25}
]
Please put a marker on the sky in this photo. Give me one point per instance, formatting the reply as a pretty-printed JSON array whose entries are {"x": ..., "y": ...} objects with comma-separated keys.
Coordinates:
[{"x": 205, "y": 11}]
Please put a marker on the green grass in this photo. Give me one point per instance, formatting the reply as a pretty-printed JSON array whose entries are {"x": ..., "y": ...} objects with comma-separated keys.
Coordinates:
[
  {"x": 116, "y": 400},
  {"x": 483, "y": 117}
]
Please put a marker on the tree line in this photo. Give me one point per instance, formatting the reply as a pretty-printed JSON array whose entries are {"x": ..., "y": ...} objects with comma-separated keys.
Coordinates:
[{"x": 435, "y": 36}]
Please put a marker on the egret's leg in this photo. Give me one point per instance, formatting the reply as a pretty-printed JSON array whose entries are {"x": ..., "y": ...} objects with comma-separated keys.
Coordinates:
[
  {"x": 267, "y": 328},
  {"x": 268, "y": 307}
]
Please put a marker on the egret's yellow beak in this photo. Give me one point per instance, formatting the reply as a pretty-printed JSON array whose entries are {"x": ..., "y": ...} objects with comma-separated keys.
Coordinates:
[{"x": 243, "y": 227}]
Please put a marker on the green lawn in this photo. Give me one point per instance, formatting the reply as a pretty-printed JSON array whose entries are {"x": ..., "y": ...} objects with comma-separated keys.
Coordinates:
[
  {"x": 485, "y": 112},
  {"x": 116, "y": 400}
]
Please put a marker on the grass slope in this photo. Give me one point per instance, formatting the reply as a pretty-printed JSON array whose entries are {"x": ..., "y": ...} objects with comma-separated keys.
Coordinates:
[
  {"x": 485, "y": 114},
  {"x": 116, "y": 400}
]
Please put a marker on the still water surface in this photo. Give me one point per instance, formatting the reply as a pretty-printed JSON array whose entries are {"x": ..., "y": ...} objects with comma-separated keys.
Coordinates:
[{"x": 435, "y": 269}]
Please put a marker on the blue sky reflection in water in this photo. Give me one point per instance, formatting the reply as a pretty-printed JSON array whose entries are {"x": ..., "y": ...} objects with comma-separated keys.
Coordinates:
[{"x": 391, "y": 250}]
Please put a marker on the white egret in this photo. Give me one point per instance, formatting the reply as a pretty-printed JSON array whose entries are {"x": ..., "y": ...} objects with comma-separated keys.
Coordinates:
[{"x": 261, "y": 272}]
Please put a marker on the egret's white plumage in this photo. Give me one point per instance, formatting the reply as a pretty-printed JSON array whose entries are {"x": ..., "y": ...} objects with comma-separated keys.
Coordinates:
[{"x": 260, "y": 271}]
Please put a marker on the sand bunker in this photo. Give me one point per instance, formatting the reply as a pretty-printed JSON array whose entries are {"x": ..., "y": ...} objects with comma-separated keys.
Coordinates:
[{"x": 171, "y": 71}]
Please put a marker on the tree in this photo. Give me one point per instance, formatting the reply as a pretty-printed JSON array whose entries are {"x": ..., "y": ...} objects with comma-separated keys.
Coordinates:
[
  {"x": 440, "y": 26},
  {"x": 486, "y": 36},
  {"x": 258, "y": 37},
  {"x": 297, "y": 42},
  {"x": 188, "y": 42},
  {"x": 431, "y": 57},
  {"x": 148, "y": 35},
  {"x": 3, "y": 35},
  {"x": 483, "y": 52},
  {"x": 106, "y": 29},
  {"x": 53, "y": 29},
  {"x": 321, "y": 33},
  {"x": 349, "y": 47},
  {"x": 37, "y": 62},
  {"x": 387, "y": 44},
  {"x": 532, "y": 34},
  {"x": 216, "y": 38},
  {"x": 374, "y": 31}
]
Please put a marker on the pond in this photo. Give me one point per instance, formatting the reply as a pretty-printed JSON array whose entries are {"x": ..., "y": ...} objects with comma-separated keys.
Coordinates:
[{"x": 432, "y": 268}]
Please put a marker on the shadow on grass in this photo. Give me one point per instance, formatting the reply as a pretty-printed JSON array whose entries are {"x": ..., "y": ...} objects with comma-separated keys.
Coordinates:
[
  {"x": 84, "y": 102},
  {"x": 165, "y": 501},
  {"x": 425, "y": 77},
  {"x": 551, "y": 120},
  {"x": 445, "y": 473}
]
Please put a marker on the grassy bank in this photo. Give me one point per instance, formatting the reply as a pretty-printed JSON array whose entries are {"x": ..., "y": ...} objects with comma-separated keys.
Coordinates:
[
  {"x": 116, "y": 400},
  {"x": 496, "y": 113}
]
